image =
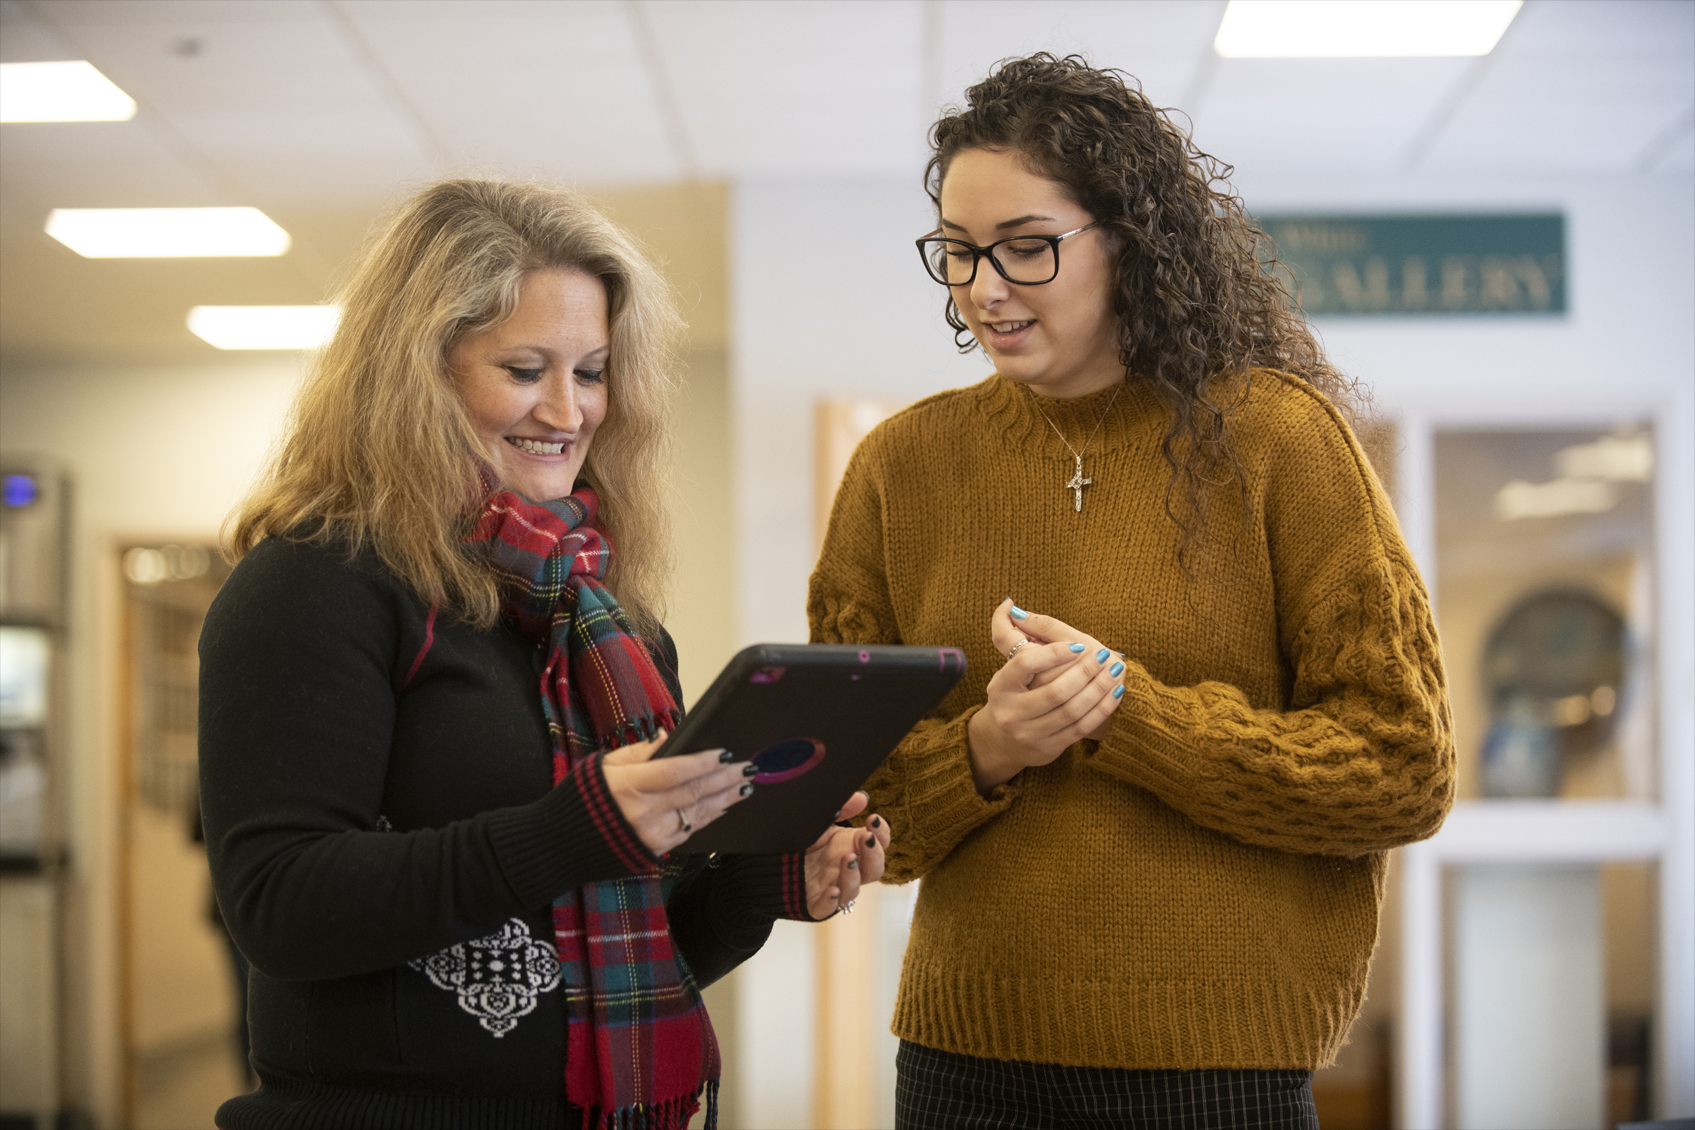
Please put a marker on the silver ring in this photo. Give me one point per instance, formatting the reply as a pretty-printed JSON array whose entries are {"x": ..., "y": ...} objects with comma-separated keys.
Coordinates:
[
  {"x": 1015, "y": 648},
  {"x": 683, "y": 824},
  {"x": 846, "y": 907}
]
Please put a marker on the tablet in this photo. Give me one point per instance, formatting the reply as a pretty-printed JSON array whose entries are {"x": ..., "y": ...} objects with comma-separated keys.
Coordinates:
[{"x": 816, "y": 719}]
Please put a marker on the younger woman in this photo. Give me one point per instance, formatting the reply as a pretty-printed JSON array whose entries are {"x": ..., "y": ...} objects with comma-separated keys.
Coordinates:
[{"x": 1152, "y": 820}]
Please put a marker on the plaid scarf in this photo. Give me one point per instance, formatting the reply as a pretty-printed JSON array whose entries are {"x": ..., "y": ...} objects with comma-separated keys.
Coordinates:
[{"x": 639, "y": 1046}]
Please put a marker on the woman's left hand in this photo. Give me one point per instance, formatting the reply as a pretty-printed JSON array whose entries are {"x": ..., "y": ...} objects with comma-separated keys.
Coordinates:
[{"x": 844, "y": 858}]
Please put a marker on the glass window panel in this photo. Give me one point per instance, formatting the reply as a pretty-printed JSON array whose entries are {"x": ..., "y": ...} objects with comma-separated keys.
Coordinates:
[{"x": 1544, "y": 593}]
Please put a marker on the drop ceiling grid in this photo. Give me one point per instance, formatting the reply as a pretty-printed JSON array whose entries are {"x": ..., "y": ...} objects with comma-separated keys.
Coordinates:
[{"x": 318, "y": 111}]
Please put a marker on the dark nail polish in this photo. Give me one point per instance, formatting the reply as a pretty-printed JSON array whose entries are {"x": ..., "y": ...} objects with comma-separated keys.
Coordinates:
[
  {"x": 853, "y": 865},
  {"x": 725, "y": 757},
  {"x": 874, "y": 822},
  {"x": 747, "y": 789},
  {"x": 750, "y": 770}
]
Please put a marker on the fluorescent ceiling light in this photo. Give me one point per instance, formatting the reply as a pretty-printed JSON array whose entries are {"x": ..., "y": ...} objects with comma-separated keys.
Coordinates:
[
  {"x": 1618, "y": 459},
  {"x": 1519, "y": 499},
  {"x": 60, "y": 92},
  {"x": 165, "y": 233},
  {"x": 264, "y": 327},
  {"x": 1266, "y": 29}
]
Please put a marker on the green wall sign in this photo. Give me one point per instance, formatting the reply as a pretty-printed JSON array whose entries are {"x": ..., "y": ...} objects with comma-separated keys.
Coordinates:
[{"x": 1411, "y": 265}]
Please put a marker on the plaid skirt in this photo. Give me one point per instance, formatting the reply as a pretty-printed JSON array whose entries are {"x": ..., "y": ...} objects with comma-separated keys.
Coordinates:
[{"x": 936, "y": 1090}]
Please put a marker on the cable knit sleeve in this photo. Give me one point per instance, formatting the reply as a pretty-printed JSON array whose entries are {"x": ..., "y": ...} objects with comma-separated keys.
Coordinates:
[
  {"x": 1362, "y": 757},
  {"x": 924, "y": 788}
]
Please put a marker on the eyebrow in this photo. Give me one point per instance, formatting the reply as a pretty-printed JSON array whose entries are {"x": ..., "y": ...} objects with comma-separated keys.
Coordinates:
[{"x": 1004, "y": 224}]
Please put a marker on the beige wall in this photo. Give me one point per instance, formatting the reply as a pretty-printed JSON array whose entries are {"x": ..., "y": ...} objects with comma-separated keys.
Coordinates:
[{"x": 160, "y": 450}]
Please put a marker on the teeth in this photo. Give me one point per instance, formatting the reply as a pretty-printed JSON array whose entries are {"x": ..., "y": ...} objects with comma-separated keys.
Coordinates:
[
  {"x": 535, "y": 448},
  {"x": 1009, "y": 327}
]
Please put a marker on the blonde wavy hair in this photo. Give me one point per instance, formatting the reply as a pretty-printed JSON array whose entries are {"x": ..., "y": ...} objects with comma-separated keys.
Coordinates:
[{"x": 379, "y": 450}]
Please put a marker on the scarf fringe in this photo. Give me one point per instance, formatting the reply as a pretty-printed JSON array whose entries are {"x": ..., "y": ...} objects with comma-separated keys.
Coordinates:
[{"x": 672, "y": 1114}]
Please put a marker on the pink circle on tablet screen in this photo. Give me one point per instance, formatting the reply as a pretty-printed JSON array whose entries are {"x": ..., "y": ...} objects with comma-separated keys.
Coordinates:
[{"x": 787, "y": 760}]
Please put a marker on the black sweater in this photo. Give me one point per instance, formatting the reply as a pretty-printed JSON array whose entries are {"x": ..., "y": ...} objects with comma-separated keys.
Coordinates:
[{"x": 386, "y": 843}]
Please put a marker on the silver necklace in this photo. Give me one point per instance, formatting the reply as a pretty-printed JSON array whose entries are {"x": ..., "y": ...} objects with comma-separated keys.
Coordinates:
[{"x": 1078, "y": 482}]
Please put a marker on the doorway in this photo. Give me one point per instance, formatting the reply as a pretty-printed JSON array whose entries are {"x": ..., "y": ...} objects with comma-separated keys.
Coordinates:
[{"x": 180, "y": 991}]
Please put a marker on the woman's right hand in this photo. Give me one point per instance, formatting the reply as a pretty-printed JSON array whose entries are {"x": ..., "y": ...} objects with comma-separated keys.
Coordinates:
[
  {"x": 666, "y": 800},
  {"x": 1046, "y": 697}
]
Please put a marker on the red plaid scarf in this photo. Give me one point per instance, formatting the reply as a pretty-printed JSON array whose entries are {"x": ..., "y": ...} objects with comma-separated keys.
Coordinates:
[{"x": 639, "y": 1046}]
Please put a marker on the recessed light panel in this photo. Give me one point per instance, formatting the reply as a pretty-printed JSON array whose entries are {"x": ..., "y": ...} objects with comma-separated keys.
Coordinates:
[
  {"x": 264, "y": 327},
  {"x": 60, "y": 92},
  {"x": 1266, "y": 29},
  {"x": 166, "y": 233}
]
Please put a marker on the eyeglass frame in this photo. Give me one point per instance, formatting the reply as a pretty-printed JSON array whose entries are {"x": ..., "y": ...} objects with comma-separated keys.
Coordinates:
[{"x": 978, "y": 254}]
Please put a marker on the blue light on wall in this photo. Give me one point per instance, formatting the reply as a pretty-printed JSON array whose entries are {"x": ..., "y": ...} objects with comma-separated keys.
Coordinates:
[{"x": 21, "y": 490}]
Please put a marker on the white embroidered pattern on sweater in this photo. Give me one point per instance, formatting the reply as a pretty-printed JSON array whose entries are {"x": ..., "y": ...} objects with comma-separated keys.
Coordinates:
[{"x": 498, "y": 978}]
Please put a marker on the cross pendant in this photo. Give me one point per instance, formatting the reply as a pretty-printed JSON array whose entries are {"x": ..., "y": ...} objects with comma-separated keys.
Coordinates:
[{"x": 1078, "y": 482}]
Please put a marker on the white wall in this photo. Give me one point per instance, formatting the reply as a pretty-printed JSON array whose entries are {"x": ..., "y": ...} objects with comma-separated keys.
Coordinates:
[{"x": 829, "y": 299}]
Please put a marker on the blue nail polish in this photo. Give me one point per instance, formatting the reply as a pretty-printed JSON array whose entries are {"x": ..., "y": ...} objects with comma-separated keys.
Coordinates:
[
  {"x": 1118, "y": 691},
  {"x": 1100, "y": 656},
  {"x": 1116, "y": 670},
  {"x": 1078, "y": 648},
  {"x": 1019, "y": 613}
]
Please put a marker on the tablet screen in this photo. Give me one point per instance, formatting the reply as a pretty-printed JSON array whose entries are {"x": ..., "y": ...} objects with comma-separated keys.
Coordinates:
[{"x": 816, "y": 720}]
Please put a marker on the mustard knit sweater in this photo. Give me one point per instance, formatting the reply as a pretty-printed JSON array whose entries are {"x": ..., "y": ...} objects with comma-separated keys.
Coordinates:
[{"x": 1201, "y": 889}]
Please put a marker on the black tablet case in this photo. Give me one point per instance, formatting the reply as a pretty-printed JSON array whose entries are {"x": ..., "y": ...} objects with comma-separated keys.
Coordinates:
[{"x": 817, "y": 719}]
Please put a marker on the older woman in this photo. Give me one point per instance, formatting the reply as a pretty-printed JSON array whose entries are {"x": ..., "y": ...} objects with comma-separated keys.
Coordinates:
[{"x": 432, "y": 688}]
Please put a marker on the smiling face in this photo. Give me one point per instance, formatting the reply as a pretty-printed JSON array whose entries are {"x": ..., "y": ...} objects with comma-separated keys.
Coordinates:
[
  {"x": 535, "y": 385},
  {"x": 1061, "y": 337}
]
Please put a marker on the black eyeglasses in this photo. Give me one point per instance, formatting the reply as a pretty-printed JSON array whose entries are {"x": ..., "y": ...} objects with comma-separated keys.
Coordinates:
[{"x": 1027, "y": 260}]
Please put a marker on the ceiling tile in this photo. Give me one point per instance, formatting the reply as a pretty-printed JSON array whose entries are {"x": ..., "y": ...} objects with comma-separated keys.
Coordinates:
[
  {"x": 155, "y": 16},
  {"x": 1161, "y": 42},
  {"x": 822, "y": 87},
  {"x": 1679, "y": 156},
  {"x": 96, "y": 165},
  {"x": 26, "y": 39},
  {"x": 553, "y": 89},
  {"x": 1591, "y": 29},
  {"x": 1357, "y": 115}
]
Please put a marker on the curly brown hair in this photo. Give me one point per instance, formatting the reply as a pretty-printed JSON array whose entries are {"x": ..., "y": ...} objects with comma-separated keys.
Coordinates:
[{"x": 1200, "y": 300}]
